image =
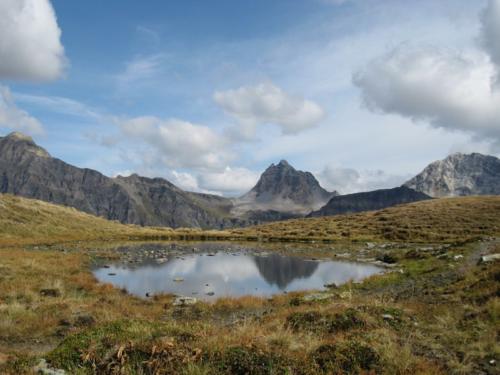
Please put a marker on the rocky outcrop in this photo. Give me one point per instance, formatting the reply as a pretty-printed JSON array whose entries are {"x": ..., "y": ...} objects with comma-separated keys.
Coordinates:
[
  {"x": 459, "y": 175},
  {"x": 373, "y": 200},
  {"x": 282, "y": 188}
]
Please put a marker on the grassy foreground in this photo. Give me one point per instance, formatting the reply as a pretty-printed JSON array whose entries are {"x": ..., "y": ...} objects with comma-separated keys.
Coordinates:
[{"x": 436, "y": 312}]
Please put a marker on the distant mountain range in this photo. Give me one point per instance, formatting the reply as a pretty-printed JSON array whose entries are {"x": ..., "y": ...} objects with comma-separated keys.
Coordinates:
[{"x": 282, "y": 192}]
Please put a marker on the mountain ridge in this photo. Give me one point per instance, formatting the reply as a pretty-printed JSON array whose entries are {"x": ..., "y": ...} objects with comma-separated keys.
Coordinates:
[
  {"x": 458, "y": 175},
  {"x": 28, "y": 170},
  {"x": 369, "y": 201}
]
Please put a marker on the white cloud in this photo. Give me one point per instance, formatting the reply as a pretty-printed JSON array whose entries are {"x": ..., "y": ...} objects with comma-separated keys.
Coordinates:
[
  {"x": 228, "y": 182},
  {"x": 269, "y": 104},
  {"x": 348, "y": 180},
  {"x": 13, "y": 118},
  {"x": 444, "y": 88},
  {"x": 490, "y": 30},
  {"x": 30, "y": 46},
  {"x": 232, "y": 181},
  {"x": 185, "y": 181},
  {"x": 176, "y": 143}
]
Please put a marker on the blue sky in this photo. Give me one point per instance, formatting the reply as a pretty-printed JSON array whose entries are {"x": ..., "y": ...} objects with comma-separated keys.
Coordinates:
[{"x": 363, "y": 93}]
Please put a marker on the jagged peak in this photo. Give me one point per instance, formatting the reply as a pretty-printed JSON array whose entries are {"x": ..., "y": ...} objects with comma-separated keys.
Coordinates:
[
  {"x": 284, "y": 163},
  {"x": 26, "y": 142}
]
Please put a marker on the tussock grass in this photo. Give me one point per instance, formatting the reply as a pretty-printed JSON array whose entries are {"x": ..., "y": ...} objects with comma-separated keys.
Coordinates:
[
  {"x": 440, "y": 315},
  {"x": 437, "y": 220},
  {"x": 28, "y": 221}
]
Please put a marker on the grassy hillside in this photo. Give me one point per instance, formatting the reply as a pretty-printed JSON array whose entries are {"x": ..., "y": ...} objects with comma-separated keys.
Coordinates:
[
  {"x": 28, "y": 221},
  {"x": 447, "y": 219}
]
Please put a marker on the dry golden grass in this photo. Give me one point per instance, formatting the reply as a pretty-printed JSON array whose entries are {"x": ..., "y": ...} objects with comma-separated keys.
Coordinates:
[
  {"x": 28, "y": 221},
  {"x": 438, "y": 220},
  {"x": 445, "y": 312}
]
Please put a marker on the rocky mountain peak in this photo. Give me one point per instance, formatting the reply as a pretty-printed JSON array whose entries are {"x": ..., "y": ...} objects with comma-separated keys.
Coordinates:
[
  {"x": 284, "y": 164},
  {"x": 17, "y": 145},
  {"x": 19, "y": 136},
  {"x": 284, "y": 189},
  {"x": 459, "y": 174}
]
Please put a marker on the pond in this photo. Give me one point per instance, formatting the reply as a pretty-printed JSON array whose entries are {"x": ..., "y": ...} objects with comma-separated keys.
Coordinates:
[{"x": 212, "y": 270}]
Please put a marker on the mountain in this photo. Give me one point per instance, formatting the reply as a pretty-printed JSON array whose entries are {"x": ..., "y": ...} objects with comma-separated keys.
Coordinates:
[
  {"x": 369, "y": 201},
  {"x": 28, "y": 170},
  {"x": 283, "y": 189},
  {"x": 458, "y": 175}
]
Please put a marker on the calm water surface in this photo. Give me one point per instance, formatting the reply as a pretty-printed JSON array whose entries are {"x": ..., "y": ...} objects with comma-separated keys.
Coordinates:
[{"x": 209, "y": 271}]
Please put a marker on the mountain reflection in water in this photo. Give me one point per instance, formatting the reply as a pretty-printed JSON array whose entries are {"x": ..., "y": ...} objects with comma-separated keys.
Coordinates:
[
  {"x": 281, "y": 271},
  {"x": 229, "y": 274}
]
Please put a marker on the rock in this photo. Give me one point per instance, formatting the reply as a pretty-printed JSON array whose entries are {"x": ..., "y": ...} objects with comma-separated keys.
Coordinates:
[
  {"x": 317, "y": 297},
  {"x": 50, "y": 292},
  {"x": 458, "y": 257},
  {"x": 210, "y": 293},
  {"x": 111, "y": 274},
  {"x": 490, "y": 258},
  {"x": 387, "y": 258},
  {"x": 331, "y": 286},
  {"x": 44, "y": 369},
  {"x": 184, "y": 301},
  {"x": 370, "y": 245}
]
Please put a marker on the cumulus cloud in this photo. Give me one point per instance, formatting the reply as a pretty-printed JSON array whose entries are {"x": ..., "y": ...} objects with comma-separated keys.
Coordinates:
[
  {"x": 228, "y": 182},
  {"x": 176, "y": 143},
  {"x": 30, "y": 46},
  {"x": 269, "y": 104},
  {"x": 445, "y": 88},
  {"x": 231, "y": 181},
  {"x": 348, "y": 180},
  {"x": 14, "y": 118}
]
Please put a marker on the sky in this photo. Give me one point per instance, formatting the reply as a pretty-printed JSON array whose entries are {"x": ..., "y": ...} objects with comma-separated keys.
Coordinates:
[{"x": 207, "y": 94}]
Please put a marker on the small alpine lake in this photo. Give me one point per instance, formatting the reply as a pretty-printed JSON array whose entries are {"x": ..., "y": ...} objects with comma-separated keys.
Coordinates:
[{"x": 210, "y": 270}]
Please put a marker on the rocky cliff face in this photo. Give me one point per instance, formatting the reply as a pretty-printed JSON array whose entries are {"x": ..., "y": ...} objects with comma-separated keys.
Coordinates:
[
  {"x": 458, "y": 175},
  {"x": 373, "y": 200},
  {"x": 28, "y": 170},
  {"x": 282, "y": 188}
]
